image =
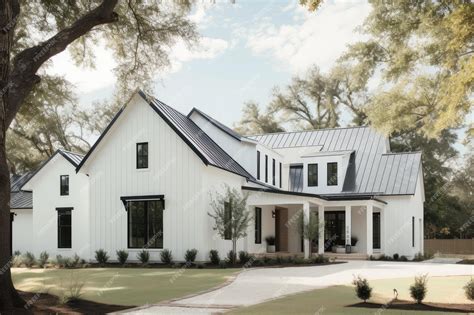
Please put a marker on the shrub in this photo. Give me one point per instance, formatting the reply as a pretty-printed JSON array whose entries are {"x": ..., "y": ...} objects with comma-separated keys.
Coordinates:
[
  {"x": 469, "y": 290},
  {"x": 200, "y": 266},
  {"x": 214, "y": 257},
  {"x": 29, "y": 260},
  {"x": 101, "y": 256},
  {"x": 396, "y": 256},
  {"x": 60, "y": 261},
  {"x": 43, "y": 259},
  {"x": 74, "y": 262},
  {"x": 362, "y": 288},
  {"x": 190, "y": 255},
  {"x": 421, "y": 257},
  {"x": 166, "y": 257},
  {"x": 17, "y": 253},
  {"x": 231, "y": 257},
  {"x": 72, "y": 291},
  {"x": 319, "y": 259},
  {"x": 244, "y": 257},
  {"x": 299, "y": 261},
  {"x": 143, "y": 256},
  {"x": 222, "y": 264},
  {"x": 122, "y": 256},
  {"x": 403, "y": 258},
  {"x": 418, "y": 289},
  {"x": 270, "y": 240}
]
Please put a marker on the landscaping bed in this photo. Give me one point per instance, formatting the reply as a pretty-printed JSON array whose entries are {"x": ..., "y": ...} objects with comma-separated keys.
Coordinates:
[{"x": 411, "y": 306}]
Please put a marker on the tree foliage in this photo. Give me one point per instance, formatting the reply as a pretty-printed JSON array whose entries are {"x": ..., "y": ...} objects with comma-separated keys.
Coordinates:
[{"x": 253, "y": 121}]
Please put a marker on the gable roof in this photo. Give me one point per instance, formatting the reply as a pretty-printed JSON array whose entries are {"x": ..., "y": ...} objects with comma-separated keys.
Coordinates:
[
  {"x": 204, "y": 147},
  {"x": 20, "y": 199},
  {"x": 216, "y": 123}
]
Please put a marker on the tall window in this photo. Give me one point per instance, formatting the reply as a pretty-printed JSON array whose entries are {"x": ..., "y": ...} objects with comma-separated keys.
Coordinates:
[
  {"x": 280, "y": 175},
  {"x": 145, "y": 224},
  {"x": 312, "y": 175},
  {"x": 273, "y": 172},
  {"x": 258, "y": 225},
  {"x": 227, "y": 221},
  {"x": 64, "y": 228},
  {"x": 413, "y": 231},
  {"x": 258, "y": 165},
  {"x": 266, "y": 168},
  {"x": 142, "y": 155},
  {"x": 64, "y": 185},
  {"x": 332, "y": 174}
]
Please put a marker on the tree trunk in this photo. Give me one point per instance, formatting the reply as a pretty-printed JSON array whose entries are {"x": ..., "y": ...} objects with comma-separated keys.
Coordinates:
[{"x": 234, "y": 250}]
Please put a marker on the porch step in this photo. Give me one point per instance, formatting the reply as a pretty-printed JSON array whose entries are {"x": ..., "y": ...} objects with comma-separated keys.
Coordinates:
[{"x": 352, "y": 256}]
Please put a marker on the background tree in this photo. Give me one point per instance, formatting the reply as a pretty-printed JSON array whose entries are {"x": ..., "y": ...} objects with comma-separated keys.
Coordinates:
[
  {"x": 254, "y": 122},
  {"x": 231, "y": 215},
  {"x": 138, "y": 34}
]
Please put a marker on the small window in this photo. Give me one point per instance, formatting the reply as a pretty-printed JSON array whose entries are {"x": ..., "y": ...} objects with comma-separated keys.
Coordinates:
[
  {"x": 273, "y": 172},
  {"x": 142, "y": 155},
  {"x": 312, "y": 175},
  {"x": 266, "y": 168},
  {"x": 145, "y": 224},
  {"x": 332, "y": 174},
  {"x": 227, "y": 221},
  {"x": 64, "y": 183},
  {"x": 413, "y": 231},
  {"x": 258, "y": 225},
  {"x": 280, "y": 175},
  {"x": 258, "y": 165},
  {"x": 64, "y": 228}
]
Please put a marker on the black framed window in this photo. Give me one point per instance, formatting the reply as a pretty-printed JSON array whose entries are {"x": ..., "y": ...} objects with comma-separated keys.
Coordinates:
[
  {"x": 332, "y": 174},
  {"x": 64, "y": 185},
  {"x": 413, "y": 231},
  {"x": 64, "y": 228},
  {"x": 280, "y": 175},
  {"x": 142, "y": 155},
  {"x": 312, "y": 175},
  {"x": 266, "y": 168},
  {"x": 145, "y": 224},
  {"x": 273, "y": 172},
  {"x": 227, "y": 221},
  {"x": 376, "y": 230},
  {"x": 258, "y": 165},
  {"x": 258, "y": 225}
]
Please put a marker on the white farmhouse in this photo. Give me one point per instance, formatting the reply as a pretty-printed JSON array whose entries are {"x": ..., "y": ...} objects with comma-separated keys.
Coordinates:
[{"x": 147, "y": 183}]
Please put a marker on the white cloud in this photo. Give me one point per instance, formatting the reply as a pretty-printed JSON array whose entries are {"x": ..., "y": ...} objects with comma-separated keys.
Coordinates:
[{"x": 312, "y": 38}]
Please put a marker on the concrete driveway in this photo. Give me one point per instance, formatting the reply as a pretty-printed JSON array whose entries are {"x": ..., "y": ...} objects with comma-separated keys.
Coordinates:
[{"x": 259, "y": 285}]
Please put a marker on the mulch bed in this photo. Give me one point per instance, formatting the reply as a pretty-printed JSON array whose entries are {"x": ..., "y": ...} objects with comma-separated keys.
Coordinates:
[
  {"x": 411, "y": 306},
  {"x": 49, "y": 304}
]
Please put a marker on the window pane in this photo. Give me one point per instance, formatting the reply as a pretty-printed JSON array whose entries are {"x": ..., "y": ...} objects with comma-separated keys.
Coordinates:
[
  {"x": 258, "y": 165},
  {"x": 64, "y": 229},
  {"x": 142, "y": 155},
  {"x": 258, "y": 225},
  {"x": 332, "y": 174},
  {"x": 155, "y": 224},
  {"x": 312, "y": 175},
  {"x": 64, "y": 185},
  {"x": 136, "y": 224}
]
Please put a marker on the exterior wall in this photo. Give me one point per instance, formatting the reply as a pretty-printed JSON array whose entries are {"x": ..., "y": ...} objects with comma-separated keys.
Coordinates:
[
  {"x": 272, "y": 154},
  {"x": 268, "y": 229},
  {"x": 22, "y": 230},
  {"x": 174, "y": 171},
  {"x": 46, "y": 198}
]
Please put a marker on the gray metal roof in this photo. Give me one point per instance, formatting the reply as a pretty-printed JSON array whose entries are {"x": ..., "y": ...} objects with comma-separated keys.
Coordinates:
[
  {"x": 196, "y": 138},
  {"x": 20, "y": 199},
  {"x": 217, "y": 123},
  {"x": 74, "y": 158},
  {"x": 371, "y": 169}
]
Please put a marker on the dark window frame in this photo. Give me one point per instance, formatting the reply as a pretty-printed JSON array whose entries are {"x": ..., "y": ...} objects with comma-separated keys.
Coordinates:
[
  {"x": 61, "y": 227},
  {"x": 412, "y": 231},
  {"x": 63, "y": 190},
  {"x": 280, "y": 176},
  {"x": 258, "y": 225},
  {"x": 258, "y": 165},
  {"x": 310, "y": 182},
  {"x": 266, "y": 168},
  {"x": 227, "y": 224},
  {"x": 273, "y": 172},
  {"x": 329, "y": 175},
  {"x": 139, "y": 156},
  {"x": 146, "y": 224}
]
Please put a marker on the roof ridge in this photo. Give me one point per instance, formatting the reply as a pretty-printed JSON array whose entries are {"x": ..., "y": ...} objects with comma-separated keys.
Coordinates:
[
  {"x": 75, "y": 153},
  {"x": 408, "y": 152},
  {"x": 311, "y": 130}
]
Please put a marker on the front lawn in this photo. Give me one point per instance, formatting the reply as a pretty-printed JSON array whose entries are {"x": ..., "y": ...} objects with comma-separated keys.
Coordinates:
[{"x": 122, "y": 286}]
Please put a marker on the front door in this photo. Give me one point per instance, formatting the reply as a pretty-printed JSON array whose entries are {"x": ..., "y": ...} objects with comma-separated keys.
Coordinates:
[
  {"x": 335, "y": 226},
  {"x": 281, "y": 230},
  {"x": 376, "y": 230}
]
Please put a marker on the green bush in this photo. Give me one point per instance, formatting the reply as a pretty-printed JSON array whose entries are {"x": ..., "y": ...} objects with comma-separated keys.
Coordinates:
[
  {"x": 469, "y": 290},
  {"x": 17, "y": 253},
  {"x": 101, "y": 256},
  {"x": 419, "y": 288},
  {"x": 214, "y": 257},
  {"x": 190, "y": 255},
  {"x": 319, "y": 259},
  {"x": 244, "y": 257},
  {"x": 29, "y": 259},
  {"x": 143, "y": 256},
  {"x": 75, "y": 261},
  {"x": 223, "y": 264},
  {"x": 43, "y": 259},
  {"x": 362, "y": 288},
  {"x": 421, "y": 257},
  {"x": 403, "y": 258},
  {"x": 122, "y": 256},
  {"x": 166, "y": 257},
  {"x": 396, "y": 256},
  {"x": 231, "y": 257}
]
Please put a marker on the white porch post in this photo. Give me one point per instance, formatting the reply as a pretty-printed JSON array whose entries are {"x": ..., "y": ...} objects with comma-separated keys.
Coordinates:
[
  {"x": 348, "y": 225},
  {"x": 306, "y": 220},
  {"x": 321, "y": 230},
  {"x": 369, "y": 219}
]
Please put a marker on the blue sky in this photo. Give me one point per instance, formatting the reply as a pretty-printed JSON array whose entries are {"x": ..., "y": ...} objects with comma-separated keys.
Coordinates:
[{"x": 246, "y": 49}]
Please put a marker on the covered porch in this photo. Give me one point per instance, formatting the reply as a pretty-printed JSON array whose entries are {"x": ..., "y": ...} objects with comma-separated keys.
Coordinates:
[{"x": 346, "y": 227}]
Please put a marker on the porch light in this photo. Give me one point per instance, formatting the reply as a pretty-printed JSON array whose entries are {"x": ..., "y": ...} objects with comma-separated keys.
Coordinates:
[{"x": 273, "y": 214}]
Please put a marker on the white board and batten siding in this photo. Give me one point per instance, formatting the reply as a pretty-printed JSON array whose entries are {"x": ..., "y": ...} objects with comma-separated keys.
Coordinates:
[
  {"x": 22, "y": 230},
  {"x": 174, "y": 170}
]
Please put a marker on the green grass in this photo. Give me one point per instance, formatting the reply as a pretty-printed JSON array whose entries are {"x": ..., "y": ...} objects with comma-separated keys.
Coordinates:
[
  {"x": 122, "y": 286},
  {"x": 333, "y": 300}
]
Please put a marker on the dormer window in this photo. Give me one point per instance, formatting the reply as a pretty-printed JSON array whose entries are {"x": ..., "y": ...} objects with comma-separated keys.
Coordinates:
[
  {"x": 142, "y": 155},
  {"x": 332, "y": 174},
  {"x": 312, "y": 175},
  {"x": 64, "y": 185}
]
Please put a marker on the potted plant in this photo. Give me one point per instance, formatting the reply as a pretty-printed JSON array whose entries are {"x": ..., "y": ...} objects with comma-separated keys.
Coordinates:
[
  {"x": 270, "y": 244},
  {"x": 354, "y": 240}
]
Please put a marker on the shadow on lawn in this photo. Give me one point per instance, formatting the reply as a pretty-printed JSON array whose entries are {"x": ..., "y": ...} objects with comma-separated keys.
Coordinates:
[{"x": 410, "y": 306}]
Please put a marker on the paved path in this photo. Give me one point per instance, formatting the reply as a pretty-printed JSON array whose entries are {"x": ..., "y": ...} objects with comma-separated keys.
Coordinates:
[{"x": 258, "y": 285}]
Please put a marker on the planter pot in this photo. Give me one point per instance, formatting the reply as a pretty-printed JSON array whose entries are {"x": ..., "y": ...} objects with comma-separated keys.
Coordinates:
[
  {"x": 339, "y": 249},
  {"x": 271, "y": 248}
]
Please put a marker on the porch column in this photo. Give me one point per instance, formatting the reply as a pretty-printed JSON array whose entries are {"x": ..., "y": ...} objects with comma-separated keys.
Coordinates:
[
  {"x": 306, "y": 220},
  {"x": 321, "y": 230},
  {"x": 369, "y": 220},
  {"x": 348, "y": 225}
]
